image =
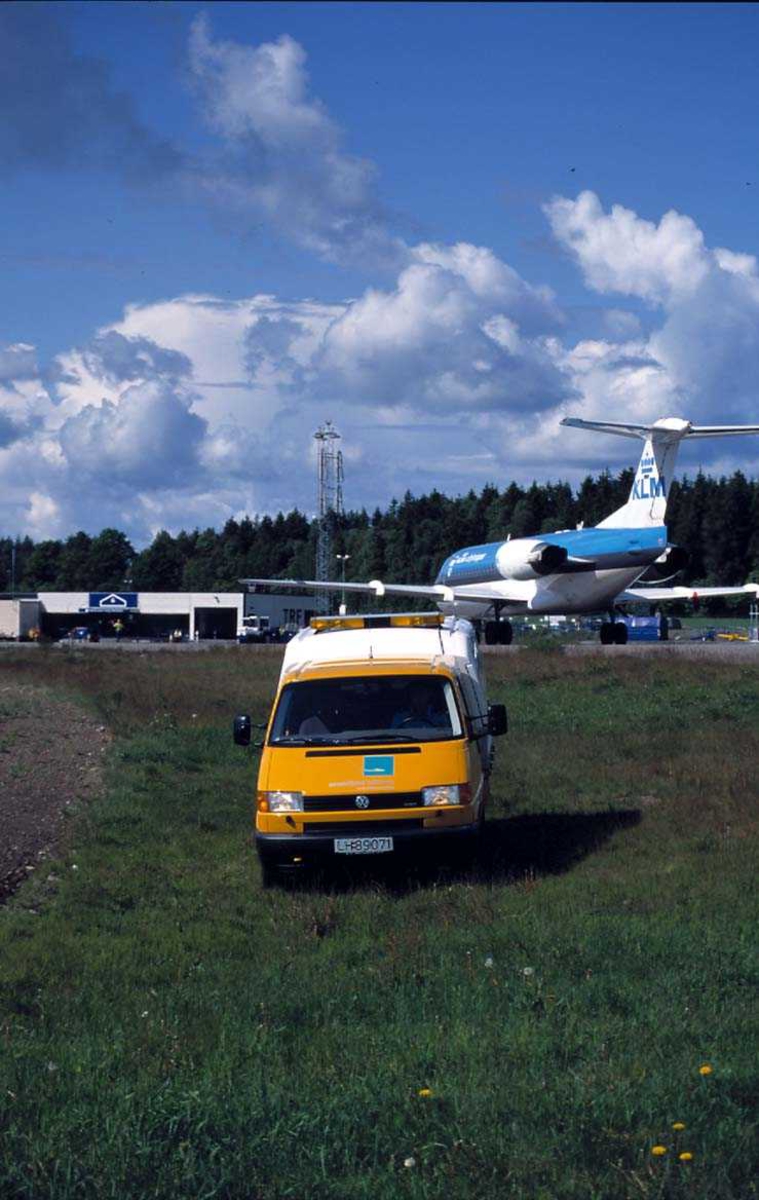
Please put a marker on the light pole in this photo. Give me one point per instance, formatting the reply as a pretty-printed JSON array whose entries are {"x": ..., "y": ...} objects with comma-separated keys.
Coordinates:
[{"x": 342, "y": 559}]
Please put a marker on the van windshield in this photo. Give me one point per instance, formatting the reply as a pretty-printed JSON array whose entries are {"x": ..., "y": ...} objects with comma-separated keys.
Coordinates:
[{"x": 386, "y": 708}]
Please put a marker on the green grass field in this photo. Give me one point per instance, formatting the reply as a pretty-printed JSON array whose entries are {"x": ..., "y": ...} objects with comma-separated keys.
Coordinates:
[{"x": 168, "y": 1029}]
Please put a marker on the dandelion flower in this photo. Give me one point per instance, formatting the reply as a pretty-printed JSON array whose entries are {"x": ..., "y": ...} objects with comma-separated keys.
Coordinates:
[
  {"x": 409, "y": 1162},
  {"x": 705, "y": 1070},
  {"x": 679, "y": 1126},
  {"x": 686, "y": 1156},
  {"x": 489, "y": 962},
  {"x": 425, "y": 1093},
  {"x": 528, "y": 971},
  {"x": 657, "y": 1151}
]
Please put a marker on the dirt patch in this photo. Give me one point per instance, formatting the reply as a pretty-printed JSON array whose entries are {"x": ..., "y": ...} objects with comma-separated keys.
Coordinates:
[{"x": 51, "y": 759}]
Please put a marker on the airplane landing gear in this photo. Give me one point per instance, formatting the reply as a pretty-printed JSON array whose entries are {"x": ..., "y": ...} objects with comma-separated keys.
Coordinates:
[
  {"x": 613, "y": 633},
  {"x": 498, "y": 633}
]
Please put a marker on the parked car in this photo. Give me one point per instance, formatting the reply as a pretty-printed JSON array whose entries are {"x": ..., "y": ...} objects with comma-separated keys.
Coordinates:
[{"x": 83, "y": 633}]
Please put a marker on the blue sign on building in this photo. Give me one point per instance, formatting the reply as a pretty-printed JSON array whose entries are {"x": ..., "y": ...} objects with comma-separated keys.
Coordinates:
[{"x": 113, "y": 601}]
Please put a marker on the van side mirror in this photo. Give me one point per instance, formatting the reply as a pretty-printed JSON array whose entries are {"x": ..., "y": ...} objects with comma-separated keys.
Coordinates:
[
  {"x": 498, "y": 721},
  {"x": 241, "y": 730}
]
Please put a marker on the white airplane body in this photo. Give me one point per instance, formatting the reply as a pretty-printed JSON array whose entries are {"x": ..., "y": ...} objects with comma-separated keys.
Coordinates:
[{"x": 576, "y": 570}]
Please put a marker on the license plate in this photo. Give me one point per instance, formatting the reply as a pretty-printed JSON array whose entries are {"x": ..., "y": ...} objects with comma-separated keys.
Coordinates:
[{"x": 363, "y": 845}]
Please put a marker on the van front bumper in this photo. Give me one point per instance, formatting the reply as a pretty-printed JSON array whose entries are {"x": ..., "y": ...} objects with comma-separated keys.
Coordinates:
[{"x": 286, "y": 849}]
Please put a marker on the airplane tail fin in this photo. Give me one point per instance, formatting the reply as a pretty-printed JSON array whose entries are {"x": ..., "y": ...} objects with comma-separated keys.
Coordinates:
[{"x": 647, "y": 503}]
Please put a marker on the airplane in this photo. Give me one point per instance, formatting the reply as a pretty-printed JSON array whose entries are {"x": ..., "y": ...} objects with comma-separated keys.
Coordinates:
[{"x": 573, "y": 571}]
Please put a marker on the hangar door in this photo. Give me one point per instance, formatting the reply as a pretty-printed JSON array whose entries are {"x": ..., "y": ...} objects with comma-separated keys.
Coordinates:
[{"x": 216, "y": 622}]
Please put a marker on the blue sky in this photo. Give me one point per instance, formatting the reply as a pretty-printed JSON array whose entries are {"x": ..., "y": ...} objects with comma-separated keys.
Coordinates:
[{"x": 443, "y": 226}]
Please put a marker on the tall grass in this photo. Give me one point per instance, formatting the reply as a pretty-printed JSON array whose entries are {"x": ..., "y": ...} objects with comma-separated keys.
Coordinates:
[{"x": 169, "y": 1029}]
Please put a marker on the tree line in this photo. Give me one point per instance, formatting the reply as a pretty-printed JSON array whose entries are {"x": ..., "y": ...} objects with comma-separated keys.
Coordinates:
[{"x": 715, "y": 520}]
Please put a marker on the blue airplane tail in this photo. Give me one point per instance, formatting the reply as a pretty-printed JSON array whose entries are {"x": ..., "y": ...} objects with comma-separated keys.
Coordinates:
[{"x": 647, "y": 503}]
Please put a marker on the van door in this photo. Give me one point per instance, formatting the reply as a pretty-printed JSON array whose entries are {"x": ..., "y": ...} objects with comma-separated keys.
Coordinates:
[{"x": 478, "y": 752}]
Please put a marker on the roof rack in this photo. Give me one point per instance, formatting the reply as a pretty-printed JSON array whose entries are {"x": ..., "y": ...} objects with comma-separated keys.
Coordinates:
[{"x": 433, "y": 620}]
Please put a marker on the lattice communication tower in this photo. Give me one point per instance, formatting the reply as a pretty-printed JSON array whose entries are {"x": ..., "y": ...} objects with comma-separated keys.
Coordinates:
[{"x": 330, "y": 474}]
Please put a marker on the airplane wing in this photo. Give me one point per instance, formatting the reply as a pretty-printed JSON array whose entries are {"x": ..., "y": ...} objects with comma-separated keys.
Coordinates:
[
  {"x": 703, "y": 431},
  {"x": 437, "y": 592},
  {"x": 654, "y": 595},
  {"x": 644, "y": 431},
  {"x": 623, "y": 430}
]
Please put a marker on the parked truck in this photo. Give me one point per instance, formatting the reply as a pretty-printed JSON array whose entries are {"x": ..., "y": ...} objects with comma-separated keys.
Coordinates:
[
  {"x": 19, "y": 618},
  {"x": 254, "y": 629}
]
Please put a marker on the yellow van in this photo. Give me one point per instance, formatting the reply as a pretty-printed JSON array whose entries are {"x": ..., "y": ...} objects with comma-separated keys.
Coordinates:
[{"x": 379, "y": 743}]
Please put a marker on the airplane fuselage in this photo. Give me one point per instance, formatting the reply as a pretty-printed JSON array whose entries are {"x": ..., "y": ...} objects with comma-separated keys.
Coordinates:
[{"x": 579, "y": 570}]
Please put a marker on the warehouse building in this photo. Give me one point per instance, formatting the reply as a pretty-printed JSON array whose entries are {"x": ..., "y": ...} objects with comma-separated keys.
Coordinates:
[
  {"x": 201, "y": 615},
  {"x": 284, "y": 610},
  {"x": 214, "y": 615}
]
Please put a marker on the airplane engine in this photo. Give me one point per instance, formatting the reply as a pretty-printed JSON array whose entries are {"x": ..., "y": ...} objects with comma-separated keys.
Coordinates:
[
  {"x": 529, "y": 558},
  {"x": 673, "y": 559}
]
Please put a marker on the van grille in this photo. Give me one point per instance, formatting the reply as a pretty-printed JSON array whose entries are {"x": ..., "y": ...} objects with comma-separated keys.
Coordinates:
[
  {"x": 376, "y": 801},
  {"x": 361, "y": 828}
]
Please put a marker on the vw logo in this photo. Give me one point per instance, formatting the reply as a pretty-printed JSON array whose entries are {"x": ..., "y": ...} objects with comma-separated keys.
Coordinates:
[{"x": 362, "y": 801}]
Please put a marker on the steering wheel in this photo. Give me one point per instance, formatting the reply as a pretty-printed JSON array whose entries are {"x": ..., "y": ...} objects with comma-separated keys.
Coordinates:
[{"x": 414, "y": 719}]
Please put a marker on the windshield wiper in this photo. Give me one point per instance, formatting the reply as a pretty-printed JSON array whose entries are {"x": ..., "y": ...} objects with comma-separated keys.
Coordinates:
[
  {"x": 294, "y": 740},
  {"x": 377, "y": 737},
  {"x": 338, "y": 740}
]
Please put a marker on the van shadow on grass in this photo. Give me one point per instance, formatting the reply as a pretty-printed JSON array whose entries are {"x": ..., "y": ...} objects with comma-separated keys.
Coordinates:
[
  {"x": 512, "y": 848},
  {"x": 547, "y": 843}
]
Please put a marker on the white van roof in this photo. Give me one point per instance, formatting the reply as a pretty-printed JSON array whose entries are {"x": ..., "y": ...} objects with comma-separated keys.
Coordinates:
[{"x": 448, "y": 640}]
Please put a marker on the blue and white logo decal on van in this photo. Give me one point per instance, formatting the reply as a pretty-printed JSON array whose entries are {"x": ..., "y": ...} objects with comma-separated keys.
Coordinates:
[{"x": 379, "y": 764}]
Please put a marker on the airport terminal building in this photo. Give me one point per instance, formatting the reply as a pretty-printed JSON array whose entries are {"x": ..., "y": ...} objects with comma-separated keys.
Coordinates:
[{"x": 155, "y": 615}]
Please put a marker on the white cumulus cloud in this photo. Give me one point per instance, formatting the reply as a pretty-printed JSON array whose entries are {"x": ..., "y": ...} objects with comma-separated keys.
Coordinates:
[
  {"x": 149, "y": 438},
  {"x": 618, "y": 251},
  {"x": 283, "y": 154},
  {"x": 448, "y": 338},
  {"x": 706, "y": 349},
  {"x": 43, "y": 517}
]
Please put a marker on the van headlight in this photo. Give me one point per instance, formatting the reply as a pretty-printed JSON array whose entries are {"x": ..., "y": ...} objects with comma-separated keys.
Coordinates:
[
  {"x": 447, "y": 793},
  {"x": 279, "y": 802}
]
